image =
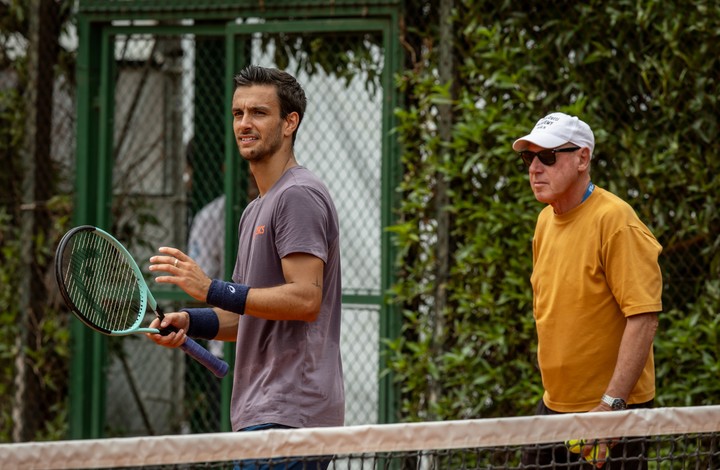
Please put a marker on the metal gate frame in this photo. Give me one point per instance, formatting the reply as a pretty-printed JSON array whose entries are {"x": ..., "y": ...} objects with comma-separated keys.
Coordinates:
[{"x": 94, "y": 169}]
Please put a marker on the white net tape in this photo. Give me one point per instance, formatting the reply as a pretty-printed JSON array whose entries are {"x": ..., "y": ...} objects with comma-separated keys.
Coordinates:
[{"x": 185, "y": 449}]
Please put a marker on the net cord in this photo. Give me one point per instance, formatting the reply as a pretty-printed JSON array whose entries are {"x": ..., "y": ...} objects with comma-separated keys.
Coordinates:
[{"x": 477, "y": 433}]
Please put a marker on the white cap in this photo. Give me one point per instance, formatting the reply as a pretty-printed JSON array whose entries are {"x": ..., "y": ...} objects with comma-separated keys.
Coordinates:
[{"x": 557, "y": 129}]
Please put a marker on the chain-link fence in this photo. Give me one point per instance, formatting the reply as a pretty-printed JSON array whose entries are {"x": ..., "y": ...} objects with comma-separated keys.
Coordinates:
[
  {"x": 169, "y": 189},
  {"x": 158, "y": 171}
]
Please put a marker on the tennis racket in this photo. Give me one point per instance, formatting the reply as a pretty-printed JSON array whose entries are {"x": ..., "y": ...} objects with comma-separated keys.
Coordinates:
[{"x": 103, "y": 286}]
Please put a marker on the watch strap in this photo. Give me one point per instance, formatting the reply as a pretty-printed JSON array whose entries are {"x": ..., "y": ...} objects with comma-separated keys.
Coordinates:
[{"x": 614, "y": 403}]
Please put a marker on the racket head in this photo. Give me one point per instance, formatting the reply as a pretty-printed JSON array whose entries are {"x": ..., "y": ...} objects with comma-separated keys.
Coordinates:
[{"x": 100, "y": 281}]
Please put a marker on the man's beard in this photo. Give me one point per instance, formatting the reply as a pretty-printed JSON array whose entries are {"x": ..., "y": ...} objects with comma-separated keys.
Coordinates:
[{"x": 264, "y": 151}]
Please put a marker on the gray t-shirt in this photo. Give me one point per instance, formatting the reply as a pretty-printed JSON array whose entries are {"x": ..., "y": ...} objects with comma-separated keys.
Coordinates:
[{"x": 289, "y": 372}]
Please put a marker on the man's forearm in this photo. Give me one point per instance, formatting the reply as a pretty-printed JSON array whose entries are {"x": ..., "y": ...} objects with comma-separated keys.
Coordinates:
[{"x": 635, "y": 347}]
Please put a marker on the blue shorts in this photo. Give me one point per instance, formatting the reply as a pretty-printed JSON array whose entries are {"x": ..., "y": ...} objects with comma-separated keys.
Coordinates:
[{"x": 278, "y": 463}]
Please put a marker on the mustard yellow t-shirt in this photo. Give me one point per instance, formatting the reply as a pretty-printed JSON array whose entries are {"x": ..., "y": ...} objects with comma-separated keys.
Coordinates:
[{"x": 592, "y": 267}]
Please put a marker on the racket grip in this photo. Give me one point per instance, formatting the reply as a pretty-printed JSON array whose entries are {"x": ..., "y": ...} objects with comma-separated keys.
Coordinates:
[{"x": 214, "y": 364}]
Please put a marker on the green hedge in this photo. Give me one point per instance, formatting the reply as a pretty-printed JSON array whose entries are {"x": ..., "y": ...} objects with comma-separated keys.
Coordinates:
[{"x": 644, "y": 75}]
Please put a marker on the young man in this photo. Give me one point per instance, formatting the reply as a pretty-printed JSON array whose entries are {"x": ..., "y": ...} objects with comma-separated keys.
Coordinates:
[
  {"x": 283, "y": 306},
  {"x": 596, "y": 285}
]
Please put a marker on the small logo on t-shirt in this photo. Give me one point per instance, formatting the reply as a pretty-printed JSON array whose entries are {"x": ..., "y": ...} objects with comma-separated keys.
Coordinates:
[{"x": 259, "y": 230}]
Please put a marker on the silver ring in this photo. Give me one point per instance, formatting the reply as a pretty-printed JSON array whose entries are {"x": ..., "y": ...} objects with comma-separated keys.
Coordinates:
[{"x": 176, "y": 262}]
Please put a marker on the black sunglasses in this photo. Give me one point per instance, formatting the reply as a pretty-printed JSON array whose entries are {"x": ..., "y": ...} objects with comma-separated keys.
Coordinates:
[{"x": 547, "y": 157}]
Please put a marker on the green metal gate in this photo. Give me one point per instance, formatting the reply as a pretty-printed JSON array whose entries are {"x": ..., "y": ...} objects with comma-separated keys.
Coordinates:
[{"x": 155, "y": 146}]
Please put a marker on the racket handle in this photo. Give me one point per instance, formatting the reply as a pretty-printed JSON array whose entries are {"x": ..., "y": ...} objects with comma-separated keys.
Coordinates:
[
  {"x": 193, "y": 349},
  {"x": 214, "y": 364}
]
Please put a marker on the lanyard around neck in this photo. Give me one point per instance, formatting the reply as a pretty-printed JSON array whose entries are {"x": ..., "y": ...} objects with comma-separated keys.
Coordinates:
[{"x": 588, "y": 191}]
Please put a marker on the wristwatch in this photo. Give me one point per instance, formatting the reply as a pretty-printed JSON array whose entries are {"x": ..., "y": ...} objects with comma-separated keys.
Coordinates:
[{"x": 614, "y": 403}]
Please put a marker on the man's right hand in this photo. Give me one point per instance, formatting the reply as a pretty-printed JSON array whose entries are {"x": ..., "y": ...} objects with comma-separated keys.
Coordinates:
[{"x": 179, "y": 320}]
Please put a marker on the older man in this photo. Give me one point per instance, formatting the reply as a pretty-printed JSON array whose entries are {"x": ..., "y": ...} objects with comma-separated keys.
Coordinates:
[{"x": 596, "y": 284}]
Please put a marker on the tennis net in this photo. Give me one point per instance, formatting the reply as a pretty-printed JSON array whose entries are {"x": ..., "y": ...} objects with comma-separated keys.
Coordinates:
[{"x": 671, "y": 438}]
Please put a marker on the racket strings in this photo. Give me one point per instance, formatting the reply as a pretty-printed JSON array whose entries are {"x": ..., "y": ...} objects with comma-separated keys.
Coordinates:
[
  {"x": 122, "y": 289},
  {"x": 102, "y": 284}
]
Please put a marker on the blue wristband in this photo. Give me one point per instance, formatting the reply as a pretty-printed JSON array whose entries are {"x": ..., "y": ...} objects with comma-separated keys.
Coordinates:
[
  {"x": 204, "y": 323},
  {"x": 228, "y": 296}
]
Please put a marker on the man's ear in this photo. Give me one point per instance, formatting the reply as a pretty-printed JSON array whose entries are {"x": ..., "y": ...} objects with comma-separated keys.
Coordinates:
[
  {"x": 584, "y": 159},
  {"x": 292, "y": 121}
]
